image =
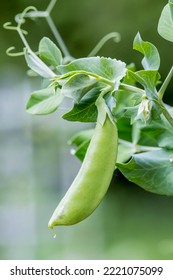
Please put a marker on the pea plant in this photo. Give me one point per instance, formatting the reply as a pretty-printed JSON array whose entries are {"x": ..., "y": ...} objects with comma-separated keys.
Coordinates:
[{"x": 134, "y": 127}]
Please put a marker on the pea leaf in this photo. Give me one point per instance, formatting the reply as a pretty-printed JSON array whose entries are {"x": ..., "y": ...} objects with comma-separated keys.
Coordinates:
[
  {"x": 153, "y": 171},
  {"x": 37, "y": 65},
  {"x": 165, "y": 25},
  {"x": 126, "y": 102},
  {"x": 80, "y": 137},
  {"x": 151, "y": 60},
  {"x": 81, "y": 142},
  {"x": 49, "y": 52},
  {"x": 166, "y": 139},
  {"x": 77, "y": 86},
  {"x": 81, "y": 150},
  {"x": 158, "y": 133},
  {"x": 148, "y": 79},
  {"x": 44, "y": 101},
  {"x": 108, "y": 68},
  {"x": 86, "y": 110},
  {"x": 150, "y": 134}
]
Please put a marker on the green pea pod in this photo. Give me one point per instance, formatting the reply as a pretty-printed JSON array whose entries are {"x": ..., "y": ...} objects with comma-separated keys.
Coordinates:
[{"x": 93, "y": 179}]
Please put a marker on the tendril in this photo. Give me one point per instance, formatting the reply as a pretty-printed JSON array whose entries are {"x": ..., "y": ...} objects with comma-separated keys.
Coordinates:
[
  {"x": 20, "y": 18},
  {"x": 10, "y": 52},
  {"x": 9, "y": 26},
  {"x": 51, "y": 6},
  {"x": 113, "y": 35}
]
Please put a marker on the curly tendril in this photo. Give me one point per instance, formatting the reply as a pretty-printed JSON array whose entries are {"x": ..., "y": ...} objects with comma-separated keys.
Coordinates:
[
  {"x": 113, "y": 35},
  {"x": 20, "y": 18},
  {"x": 10, "y": 52},
  {"x": 9, "y": 26}
]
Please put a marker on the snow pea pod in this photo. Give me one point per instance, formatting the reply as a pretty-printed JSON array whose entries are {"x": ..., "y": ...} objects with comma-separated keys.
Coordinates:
[{"x": 93, "y": 179}]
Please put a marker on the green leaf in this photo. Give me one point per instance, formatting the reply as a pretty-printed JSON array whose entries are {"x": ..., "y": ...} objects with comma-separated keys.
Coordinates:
[
  {"x": 165, "y": 25},
  {"x": 148, "y": 79},
  {"x": 124, "y": 129},
  {"x": 44, "y": 101},
  {"x": 111, "y": 69},
  {"x": 125, "y": 152},
  {"x": 37, "y": 65},
  {"x": 151, "y": 60},
  {"x": 81, "y": 150},
  {"x": 125, "y": 103},
  {"x": 77, "y": 86},
  {"x": 86, "y": 110},
  {"x": 166, "y": 139},
  {"x": 81, "y": 140},
  {"x": 153, "y": 171},
  {"x": 149, "y": 135},
  {"x": 80, "y": 137},
  {"x": 49, "y": 52},
  {"x": 157, "y": 133}
]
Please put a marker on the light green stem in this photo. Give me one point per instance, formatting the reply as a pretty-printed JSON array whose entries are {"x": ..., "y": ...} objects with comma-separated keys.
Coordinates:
[
  {"x": 51, "y": 6},
  {"x": 132, "y": 88},
  {"x": 112, "y": 35},
  {"x": 166, "y": 113},
  {"x": 165, "y": 84},
  {"x": 138, "y": 148},
  {"x": 58, "y": 37},
  {"x": 97, "y": 77}
]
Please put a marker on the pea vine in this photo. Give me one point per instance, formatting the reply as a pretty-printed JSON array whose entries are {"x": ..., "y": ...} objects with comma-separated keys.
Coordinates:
[{"x": 133, "y": 98}]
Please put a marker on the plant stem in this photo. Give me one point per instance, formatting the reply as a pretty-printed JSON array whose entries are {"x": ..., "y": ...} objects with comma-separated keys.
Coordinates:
[
  {"x": 97, "y": 77},
  {"x": 166, "y": 113},
  {"x": 138, "y": 148},
  {"x": 112, "y": 35},
  {"x": 58, "y": 37},
  {"x": 165, "y": 84},
  {"x": 51, "y": 6},
  {"x": 132, "y": 88},
  {"x": 23, "y": 39}
]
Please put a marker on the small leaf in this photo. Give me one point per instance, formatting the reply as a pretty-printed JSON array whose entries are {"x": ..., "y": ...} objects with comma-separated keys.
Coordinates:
[
  {"x": 37, "y": 65},
  {"x": 85, "y": 110},
  {"x": 151, "y": 60},
  {"x": 81, "y": 140},
  {"x": 165, "y": 25},
  {"x": 153, "y": 171},
  {"x": 125, "y": 100},
  {"x": 155, "y": 133},
  {"x": 80, "y": 137},
  {"x": 125, "y": 152},
  {"x": 81, "y": 150},
  {"x": 148, "y": 79},
  {"x": 49, "y": 52},
  {"x": 44, "y": 101},
  {"x": 77, "y": 86},
  {"x": 124, "y": 129}
]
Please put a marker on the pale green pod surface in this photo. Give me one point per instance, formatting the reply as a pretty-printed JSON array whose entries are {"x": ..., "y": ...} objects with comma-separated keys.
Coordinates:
[{"x": 93, "y": 179}]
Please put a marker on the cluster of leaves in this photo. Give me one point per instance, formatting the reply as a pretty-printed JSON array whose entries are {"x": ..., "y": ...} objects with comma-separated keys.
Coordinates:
[{"x": 145, "y": 123}]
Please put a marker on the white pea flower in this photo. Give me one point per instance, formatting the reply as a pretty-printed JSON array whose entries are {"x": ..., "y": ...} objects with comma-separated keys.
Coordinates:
[{"x": 144, "y": 110}]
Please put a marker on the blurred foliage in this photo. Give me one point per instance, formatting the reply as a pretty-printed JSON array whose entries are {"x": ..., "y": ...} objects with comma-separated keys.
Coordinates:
[
  {"x": 36, "y": 167},
  {"x": 83, "y": 23}
]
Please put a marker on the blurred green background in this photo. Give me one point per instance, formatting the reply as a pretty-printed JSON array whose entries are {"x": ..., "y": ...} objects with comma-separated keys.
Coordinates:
[{"x": 36, "y": 166}]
